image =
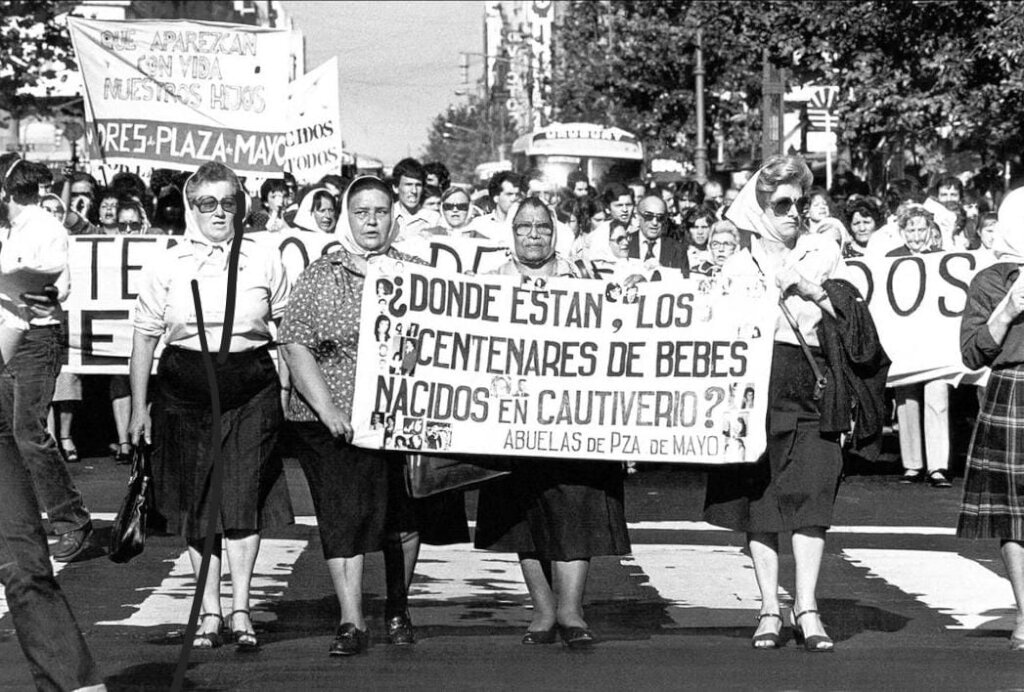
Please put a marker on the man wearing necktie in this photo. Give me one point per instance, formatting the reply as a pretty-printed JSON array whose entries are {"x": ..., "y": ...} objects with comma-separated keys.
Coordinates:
[{"x": 652, "y": 244}]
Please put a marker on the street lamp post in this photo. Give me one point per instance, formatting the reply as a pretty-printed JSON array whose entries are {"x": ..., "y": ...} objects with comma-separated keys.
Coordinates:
[{"x": 700, "y": 154}]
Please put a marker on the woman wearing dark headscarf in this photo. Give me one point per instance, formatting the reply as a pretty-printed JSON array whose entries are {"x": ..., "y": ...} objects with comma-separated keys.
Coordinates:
[
  {"x": 556, "y": 514},
  {"x": 992, "y": 335},
  {"x": 255, "y": 494},
  {"x": 358, "y": 494},
  {"x": 792, "y": 487}
]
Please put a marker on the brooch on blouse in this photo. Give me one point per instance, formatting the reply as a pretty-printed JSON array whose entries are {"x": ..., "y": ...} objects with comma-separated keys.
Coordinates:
[{"x": 326, "y": 350}]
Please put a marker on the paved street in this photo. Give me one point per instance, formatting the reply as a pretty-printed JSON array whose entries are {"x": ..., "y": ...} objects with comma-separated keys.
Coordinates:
[{"x": 910, "y": 606}]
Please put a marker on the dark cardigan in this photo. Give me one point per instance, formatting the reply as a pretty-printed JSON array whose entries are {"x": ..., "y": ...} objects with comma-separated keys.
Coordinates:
[{"x": 857, "y": 369}]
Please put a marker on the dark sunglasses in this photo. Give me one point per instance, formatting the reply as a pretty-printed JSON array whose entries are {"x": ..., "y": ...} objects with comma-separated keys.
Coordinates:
[
  {"x": 134, "y": 226},
  {"x": 781, "y": 207},
  {"x": 452, "y": 206},
  {"x": 651, "y": 216},
  {"x": 206, "y": 205}
]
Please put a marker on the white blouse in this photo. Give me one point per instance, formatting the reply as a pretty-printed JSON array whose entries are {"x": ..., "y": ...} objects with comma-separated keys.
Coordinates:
[{"x": 165, "y": 307}]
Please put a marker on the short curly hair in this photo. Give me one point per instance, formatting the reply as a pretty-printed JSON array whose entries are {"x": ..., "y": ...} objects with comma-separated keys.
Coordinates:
[{"x": 782, "y": 170}]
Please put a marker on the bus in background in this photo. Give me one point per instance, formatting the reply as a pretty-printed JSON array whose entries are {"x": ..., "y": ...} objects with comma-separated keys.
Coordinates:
[
  {"x": 482, "y": 174},
  {"x": 605, "y": 154},
  {"x": 353, "y": 164}
]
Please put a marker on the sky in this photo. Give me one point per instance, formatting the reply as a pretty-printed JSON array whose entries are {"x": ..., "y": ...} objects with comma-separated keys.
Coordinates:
[{"x": 398, "y": 65}]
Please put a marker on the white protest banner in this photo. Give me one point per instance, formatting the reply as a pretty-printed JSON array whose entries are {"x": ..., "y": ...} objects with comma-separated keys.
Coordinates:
[
  {"x": 314, "y": 137},
  {"x": 673, "y": 371},
  {"x": 105, "y": 270},
  {"x": 179, "y": 93},
  {"x": 459, "y": 255},
  {"x": 917, "y": 303}
]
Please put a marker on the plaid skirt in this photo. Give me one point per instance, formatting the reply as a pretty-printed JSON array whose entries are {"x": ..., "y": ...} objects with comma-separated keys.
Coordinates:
[{"x": 993, "y": 502}]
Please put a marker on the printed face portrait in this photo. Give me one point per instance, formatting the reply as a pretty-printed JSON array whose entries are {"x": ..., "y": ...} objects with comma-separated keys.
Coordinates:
[{"x": 369, "y": 215}]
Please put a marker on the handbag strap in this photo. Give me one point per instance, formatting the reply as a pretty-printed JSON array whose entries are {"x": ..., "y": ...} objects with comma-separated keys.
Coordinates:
[{"x": 818, "y": 374}]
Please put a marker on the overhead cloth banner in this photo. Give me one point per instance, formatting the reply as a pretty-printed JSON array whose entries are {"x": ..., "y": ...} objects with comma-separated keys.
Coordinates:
[
  {"x": 179, "y": 93},
  {"x": 314, "y": 135},
  {"x": 917, "y": 303},
  {"x": 673, "y": 371}
]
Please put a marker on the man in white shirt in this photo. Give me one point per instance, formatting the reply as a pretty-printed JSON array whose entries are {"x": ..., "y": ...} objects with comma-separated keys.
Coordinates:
[
  {"x": 505, "y": 189},
  {"x": 408, "y": 179},
  {"x": 30, "y": 463}
]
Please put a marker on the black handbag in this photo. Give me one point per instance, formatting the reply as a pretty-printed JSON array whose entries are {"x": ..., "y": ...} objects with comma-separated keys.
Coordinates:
[
  {"x": 427, "y": 475},
  {"x": 128, "y": 535}
]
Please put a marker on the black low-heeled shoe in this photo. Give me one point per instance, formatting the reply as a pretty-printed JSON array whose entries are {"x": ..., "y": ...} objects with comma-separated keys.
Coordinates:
[
  {"x": 547, "y": 636},
  {"x": 577, "y": 637}
]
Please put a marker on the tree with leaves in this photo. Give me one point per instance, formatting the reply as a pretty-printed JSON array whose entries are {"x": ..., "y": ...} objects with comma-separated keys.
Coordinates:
[
  {"x": 34, "y": 46},
  {"x": 467, "y": 135}
]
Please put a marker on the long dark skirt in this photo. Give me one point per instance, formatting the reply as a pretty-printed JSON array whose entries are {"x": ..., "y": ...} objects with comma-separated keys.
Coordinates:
[
  {"x": 554, "y": 510},
  {"x": 793, "y": 485},
  {"x": 255, "y": 494},
  {"x": 993, "y": 501},
  {"x": 359, "y": 497}
]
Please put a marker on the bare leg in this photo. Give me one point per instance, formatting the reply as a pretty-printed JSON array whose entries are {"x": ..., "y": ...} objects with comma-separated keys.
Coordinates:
[
  {"x": 541, "y": 593},
  {"x": 764, "y": 552},
  {"x": 211, "y": 589},
  {"x": 570, "y": 580},
  {"x": 242, "y": 549},
  {"x": 347, "y": 577},
  {"x": 122, "y": 409},
  {"x": 808, "y": 547},
  {"x": 1013, "y": 558}
]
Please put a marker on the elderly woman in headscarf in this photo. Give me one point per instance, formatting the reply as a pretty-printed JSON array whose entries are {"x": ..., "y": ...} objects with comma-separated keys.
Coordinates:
[
  {"x": 556, "y": 514},
  {"x": 317, "y": 211},
  {"x": 992, "y": 335},
  {"x": 255, "y": 494},
  {"x": 358, "y": 494},
  {"x": 792, "y": 487}
]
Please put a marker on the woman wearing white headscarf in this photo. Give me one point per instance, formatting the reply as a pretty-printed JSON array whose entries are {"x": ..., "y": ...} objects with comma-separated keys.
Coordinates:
[
  {"x": 793, "y": 486},
  {"x": 317, "y": 211},
  {"x": 992, "y": 335},
  {"x": 358, "y": 493},
  {"x": 556, "y": 514},
  {"x": 255, "y": 494}
]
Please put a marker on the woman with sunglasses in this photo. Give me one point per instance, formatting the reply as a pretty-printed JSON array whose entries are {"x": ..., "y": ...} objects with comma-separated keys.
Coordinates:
[
  {"x": 556, "y": 514},
  {"x": 456, "y": 213},
  {"x": 792, "y": 487},
  {"x": 255, "y": 496}
]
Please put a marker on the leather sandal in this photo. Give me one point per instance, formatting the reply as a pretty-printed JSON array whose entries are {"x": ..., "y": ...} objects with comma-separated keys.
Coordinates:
[
  {"x": 70, "y": 454},
  {"x": 245, "y": 640},
  {"x": 209, "y": 640},
  {"x": 816, "y": 643},
  {"x": 768, "y": 640}
]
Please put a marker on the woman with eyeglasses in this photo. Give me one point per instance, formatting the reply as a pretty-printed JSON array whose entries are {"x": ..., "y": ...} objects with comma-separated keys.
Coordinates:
[
  {"x": 358, "y": 494},
  {"x": 927, "y": 401},
  {"x": 255, "y": 495},
  {"x": 610, "y": 259},
  {"x": 556, "y": 514},
  {"x": 793, "y": 486},
  {"x": 723, "y": 243}
]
